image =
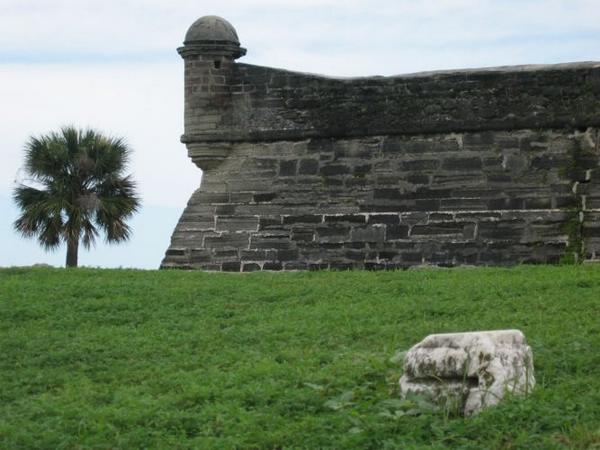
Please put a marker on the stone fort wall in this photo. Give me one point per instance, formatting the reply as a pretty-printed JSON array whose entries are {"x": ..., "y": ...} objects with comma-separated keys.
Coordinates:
[{"x": 480, "y": 167}]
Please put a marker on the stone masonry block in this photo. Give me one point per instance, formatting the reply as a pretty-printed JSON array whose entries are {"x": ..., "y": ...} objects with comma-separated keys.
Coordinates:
[
  {"x": 374, "y": 233},
  {"x": 227, "y": 240},
  {"x": 470, "y": 371},
  {"x": 462, "y": 163},
  {"x": 288, "y": 168},
  {"x": 394, "y": 232},
  {"x": 308, "y": 167},
  {"x": 351, "y": 218},
  {"x": 267, "y": 242},
  {"x": 388, "y": 219},
  {"x": 334, "y": 169},
  {"x": 440, "y": 228},
  {"x": 237, "y": 223},
  {"x": 302, "y": 219}
]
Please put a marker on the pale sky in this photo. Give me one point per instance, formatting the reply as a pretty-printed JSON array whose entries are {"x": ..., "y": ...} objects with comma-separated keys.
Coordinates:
[{"x": 112, "y": 65}]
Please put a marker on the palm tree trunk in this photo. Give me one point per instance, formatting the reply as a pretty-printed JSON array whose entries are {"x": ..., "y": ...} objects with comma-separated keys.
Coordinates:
[{"x": 72, "y": 249}]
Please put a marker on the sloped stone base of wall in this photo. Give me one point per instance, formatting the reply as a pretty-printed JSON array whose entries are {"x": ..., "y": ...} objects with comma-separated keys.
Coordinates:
[{"x": 387, "y": 202}]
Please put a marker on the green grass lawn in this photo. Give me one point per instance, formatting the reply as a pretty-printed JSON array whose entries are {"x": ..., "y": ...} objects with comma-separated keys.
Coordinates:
[{"x": 168, "y": 360}]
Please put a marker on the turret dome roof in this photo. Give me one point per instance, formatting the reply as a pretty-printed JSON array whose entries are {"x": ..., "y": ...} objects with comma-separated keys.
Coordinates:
[{"x": 211, "y": 28}]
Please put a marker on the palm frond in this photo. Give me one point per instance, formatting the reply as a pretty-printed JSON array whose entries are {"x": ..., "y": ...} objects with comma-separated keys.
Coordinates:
[
  {"x": 89, "y": 234},
  {"x": 46, "y": 158},
  {"x": 110, "y": 156},
  {"x": 50, "y": 233},
  {"x": 39, "y": 210},
  {"x": 116, "y": 231},
  {"x": 71, "y": 138},
  {"x": 118, "y": 202}
]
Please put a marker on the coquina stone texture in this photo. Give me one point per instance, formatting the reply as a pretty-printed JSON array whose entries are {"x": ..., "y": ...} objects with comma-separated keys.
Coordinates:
[
  {"x": 481, "y": 167},
  {"x": 470, "y": 371}
]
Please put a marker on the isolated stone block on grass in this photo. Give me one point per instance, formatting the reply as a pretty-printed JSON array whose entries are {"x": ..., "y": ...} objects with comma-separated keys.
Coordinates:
[{"x": 470, "y": 371}]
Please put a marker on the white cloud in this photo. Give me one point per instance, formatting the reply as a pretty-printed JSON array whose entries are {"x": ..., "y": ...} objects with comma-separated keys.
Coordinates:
[{"x": 136, "y": 27}]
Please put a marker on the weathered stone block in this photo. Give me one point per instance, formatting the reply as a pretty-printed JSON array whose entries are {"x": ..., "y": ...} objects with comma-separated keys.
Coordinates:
[
  {"x": 295, "y": 265},
  {"x": 368, "y": 234},
  {"x": 387, "y": 219},
  {"x": 265, "y": 197},
  {"x": 288, "y": 168},
  {"x": 470, "y": 371},
  {"x": 234, "y": 266},
  {"x": 303, "y": 219},
  {"x": 250, "y": 267},
  {"x": 212, "y": 197},
  {"x": 200, "y": 256},
  {"x": 308, "y": 167},
  {"x": 418, "y": 179},
  {"x": 266, "y": 242},
  {"x": 227, "y": 240},
  {"x": 412, "y": 258},
  {"x": 506, "y": 230},
  {"x": 397, "y": 232},
  {"x": 387, "y": 254},
  {"x": 462, "y": 164},
  {"x": 333, "y": 233},
  {"x": 272, "y": 266},
  {"x": 336, "y": 265},
  {"x": 225, "y": 255},
  {"x": 287, "y": 255},
  {"x": 350, "y": 218},
  {"x": 334, "y": 169},
  {"x": 362, "y": 170},
  {"x": 237, "y": 223},
  {"x": 303, "y": 235},
  {"x": 386, "y": 194},
  {"x": 269, "y": 222},
  {"x": 258, "y": 255},
  {"x": 442, "y": 228},
  {"x": 417, "y": 165}
]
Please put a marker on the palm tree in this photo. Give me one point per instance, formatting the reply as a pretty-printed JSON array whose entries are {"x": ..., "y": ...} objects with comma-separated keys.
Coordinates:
[{"x": 81, "y": 189}]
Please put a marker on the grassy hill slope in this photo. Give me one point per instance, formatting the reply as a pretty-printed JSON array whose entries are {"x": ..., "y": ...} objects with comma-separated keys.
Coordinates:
[{"x": 170, "y": 359}]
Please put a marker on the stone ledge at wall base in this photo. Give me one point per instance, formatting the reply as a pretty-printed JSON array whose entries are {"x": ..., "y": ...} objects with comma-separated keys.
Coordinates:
[{"x": 470, "y": 371}]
